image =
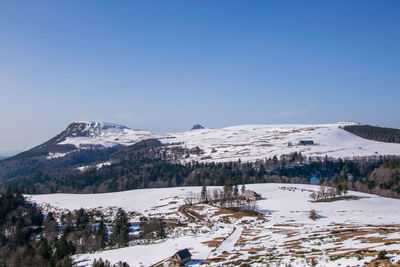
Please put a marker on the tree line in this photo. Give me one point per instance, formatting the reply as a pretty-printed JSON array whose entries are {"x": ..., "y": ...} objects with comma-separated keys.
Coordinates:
[{"x": 381, "y": 134}]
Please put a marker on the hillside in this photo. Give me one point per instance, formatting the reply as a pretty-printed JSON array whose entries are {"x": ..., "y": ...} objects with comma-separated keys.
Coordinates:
[
  {"x": 253, "y": 142},
  {"x": 245, "y": 142},
  {"x": 346, "y": 232},
  {"x": 104, "y": 157}
]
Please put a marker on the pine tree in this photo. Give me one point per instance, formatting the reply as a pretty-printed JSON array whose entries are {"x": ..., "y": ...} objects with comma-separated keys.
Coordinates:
[
  {"x": 120, "y": 233},
  {"x": 44, "y": 249},
  {"x": 236, "y": 191},
  {"x": 63, "y": 248},
  {"x": 243, "y": 189},
  {"x": 204, "y": 193},
  {"x": 101, "y": 234},
  {"x": 345, "y": 188},
  {"x": 161, "y": 233}
]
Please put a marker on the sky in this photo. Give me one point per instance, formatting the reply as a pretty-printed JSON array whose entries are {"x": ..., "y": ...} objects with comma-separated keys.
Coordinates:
[{"x": 166, "y": 65}]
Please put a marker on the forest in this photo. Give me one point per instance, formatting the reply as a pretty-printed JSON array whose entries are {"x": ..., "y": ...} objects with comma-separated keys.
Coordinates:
[
  {"x": 28, "y": 236},
  {"x": 381, "y": 134},
  {"x": 148, "y": 172}
]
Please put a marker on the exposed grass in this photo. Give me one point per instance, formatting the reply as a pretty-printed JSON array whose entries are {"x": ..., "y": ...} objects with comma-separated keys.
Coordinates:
[{"x": 214, "y": 243}]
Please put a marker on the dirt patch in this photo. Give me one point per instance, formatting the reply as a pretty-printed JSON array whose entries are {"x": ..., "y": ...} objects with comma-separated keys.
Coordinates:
[{"x": 214, "y": 243}]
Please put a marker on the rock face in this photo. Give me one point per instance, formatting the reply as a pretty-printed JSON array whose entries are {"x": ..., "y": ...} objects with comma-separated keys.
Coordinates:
[
  {"x": 89, "y": 129},
  {"x": 197, "y": 127},
  {"x": 76, "y": 130}
]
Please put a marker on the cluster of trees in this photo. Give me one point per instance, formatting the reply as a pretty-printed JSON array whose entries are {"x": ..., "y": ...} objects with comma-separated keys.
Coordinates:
[
  {"x": 383, "y": 180},
  {"x": 120, "y": 230},
  {"x": 144, "y": 172},
  {"x": 27, "y": 236},
  {"x": 230, "y": 197},
  {"x": 152, "y": 228},
  {"x": 382, "y": 134},
  {"x": 101, "y": 263},
  {"x": 149, "y": 165},
  {"x": 329, "y": 193}
]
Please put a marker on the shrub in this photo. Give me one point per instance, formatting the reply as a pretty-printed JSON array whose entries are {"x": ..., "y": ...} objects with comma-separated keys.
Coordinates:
[{"x": 313, "y": 215}]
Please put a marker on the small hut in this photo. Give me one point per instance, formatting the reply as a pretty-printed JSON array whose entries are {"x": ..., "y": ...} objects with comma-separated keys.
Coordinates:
[
  {"x": 306, "y": 143},
  {"x": 181, "y": 257},
  {"x": 250, "y": 195}
]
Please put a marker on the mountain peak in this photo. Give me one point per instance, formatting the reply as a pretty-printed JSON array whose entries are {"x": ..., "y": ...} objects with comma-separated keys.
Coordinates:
[
  {"x": 197, "y": 127},
  {"x": 90, "y": 129},
  {"x": 96, "y": 124}
]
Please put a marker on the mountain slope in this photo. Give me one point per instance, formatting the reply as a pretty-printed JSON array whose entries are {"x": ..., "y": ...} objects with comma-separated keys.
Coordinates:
[
  {"x": 252, "y": 142},
  {"x": 245, "y": 142},
  {"x": 88, "y": 134},
  {"x": 85, "y": 146}
]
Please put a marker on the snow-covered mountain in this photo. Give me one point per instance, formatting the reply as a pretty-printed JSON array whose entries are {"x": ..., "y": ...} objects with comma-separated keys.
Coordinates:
[
  {"x": 85, "y": 134},
  {"x": 244, "y": 142},
  {"x": 252, "y": 142}
]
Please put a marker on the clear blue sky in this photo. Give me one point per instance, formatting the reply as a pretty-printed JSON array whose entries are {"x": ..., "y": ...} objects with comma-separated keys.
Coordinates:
[{"x": 166, "y": 65}]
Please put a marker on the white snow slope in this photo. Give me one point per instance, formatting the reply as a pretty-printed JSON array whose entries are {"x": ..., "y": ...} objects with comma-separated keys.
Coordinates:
[
  {"x": 348, "y": 232},
  {"x": 250, "y": 142}
]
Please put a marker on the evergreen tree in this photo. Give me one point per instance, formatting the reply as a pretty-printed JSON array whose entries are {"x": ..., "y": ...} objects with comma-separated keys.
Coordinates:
[
  {"x": 204, "y": 193},
  {"x": 63, "y": 248},
  {"x": 236, "y": 191},
  {"x": 120, "y": 233},
  {"x": 345, "y": 188},
  {"x": 243, "y": 189},
  {"x": 101, "y": 234},
  {"x": 161, "y": 233},
  {"x": 44, "y": 249}
]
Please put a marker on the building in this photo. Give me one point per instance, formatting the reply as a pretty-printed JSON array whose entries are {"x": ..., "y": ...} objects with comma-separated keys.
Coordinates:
[
  {"x": 306, "y": 142},
  {"x": 250, "y": 195},
  {"x": 180, "y": 258}
]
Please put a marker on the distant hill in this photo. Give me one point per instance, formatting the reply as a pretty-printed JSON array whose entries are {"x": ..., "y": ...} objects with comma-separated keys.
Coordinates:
[{"x": 197, "y": 127}]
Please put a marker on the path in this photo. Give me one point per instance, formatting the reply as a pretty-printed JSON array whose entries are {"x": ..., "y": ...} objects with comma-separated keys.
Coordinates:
[{"x": 229, "y": 243}]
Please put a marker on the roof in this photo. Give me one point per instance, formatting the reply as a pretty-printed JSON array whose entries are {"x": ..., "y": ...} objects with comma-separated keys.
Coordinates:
[
  {"x": 184, "y": 253},
  {"x": 307, "y": 142},
  {"x": 250, "y": 193}
]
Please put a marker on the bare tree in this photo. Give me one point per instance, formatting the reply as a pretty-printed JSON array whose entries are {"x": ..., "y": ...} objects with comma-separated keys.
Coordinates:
[{"x": 313, "y": 196}]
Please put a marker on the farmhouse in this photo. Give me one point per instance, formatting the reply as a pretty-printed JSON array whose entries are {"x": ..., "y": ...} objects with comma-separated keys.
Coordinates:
[
  {"x": 306, "y": 142},
  {"x": 181, "y": 257},
  {"x": 250, "y": 195}
]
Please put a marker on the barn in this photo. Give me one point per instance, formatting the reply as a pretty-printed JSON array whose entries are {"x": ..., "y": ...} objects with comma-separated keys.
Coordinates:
[
  {"x": 250, "y": 195},
  {"x": 181, "y": 257},
  {"x": 306, "y": 142}
]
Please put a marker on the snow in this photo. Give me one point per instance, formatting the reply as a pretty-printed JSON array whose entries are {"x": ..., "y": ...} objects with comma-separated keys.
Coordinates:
[
  {"x": 97, "y": 166},
  {"x": 246, "y": 142},
  {"x": 285, "y": 230},
  {"x": 56, "y": 155},
  {"x": 107, "y": 135},
  {"x": 252, "y": 142}
]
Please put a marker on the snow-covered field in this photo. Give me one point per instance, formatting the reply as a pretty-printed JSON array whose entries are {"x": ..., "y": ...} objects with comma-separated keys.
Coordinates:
[
  {"x": 252, "y": 142},
  {"x": 348, "y": 232},
  {"x": 247, "y": 142}
]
